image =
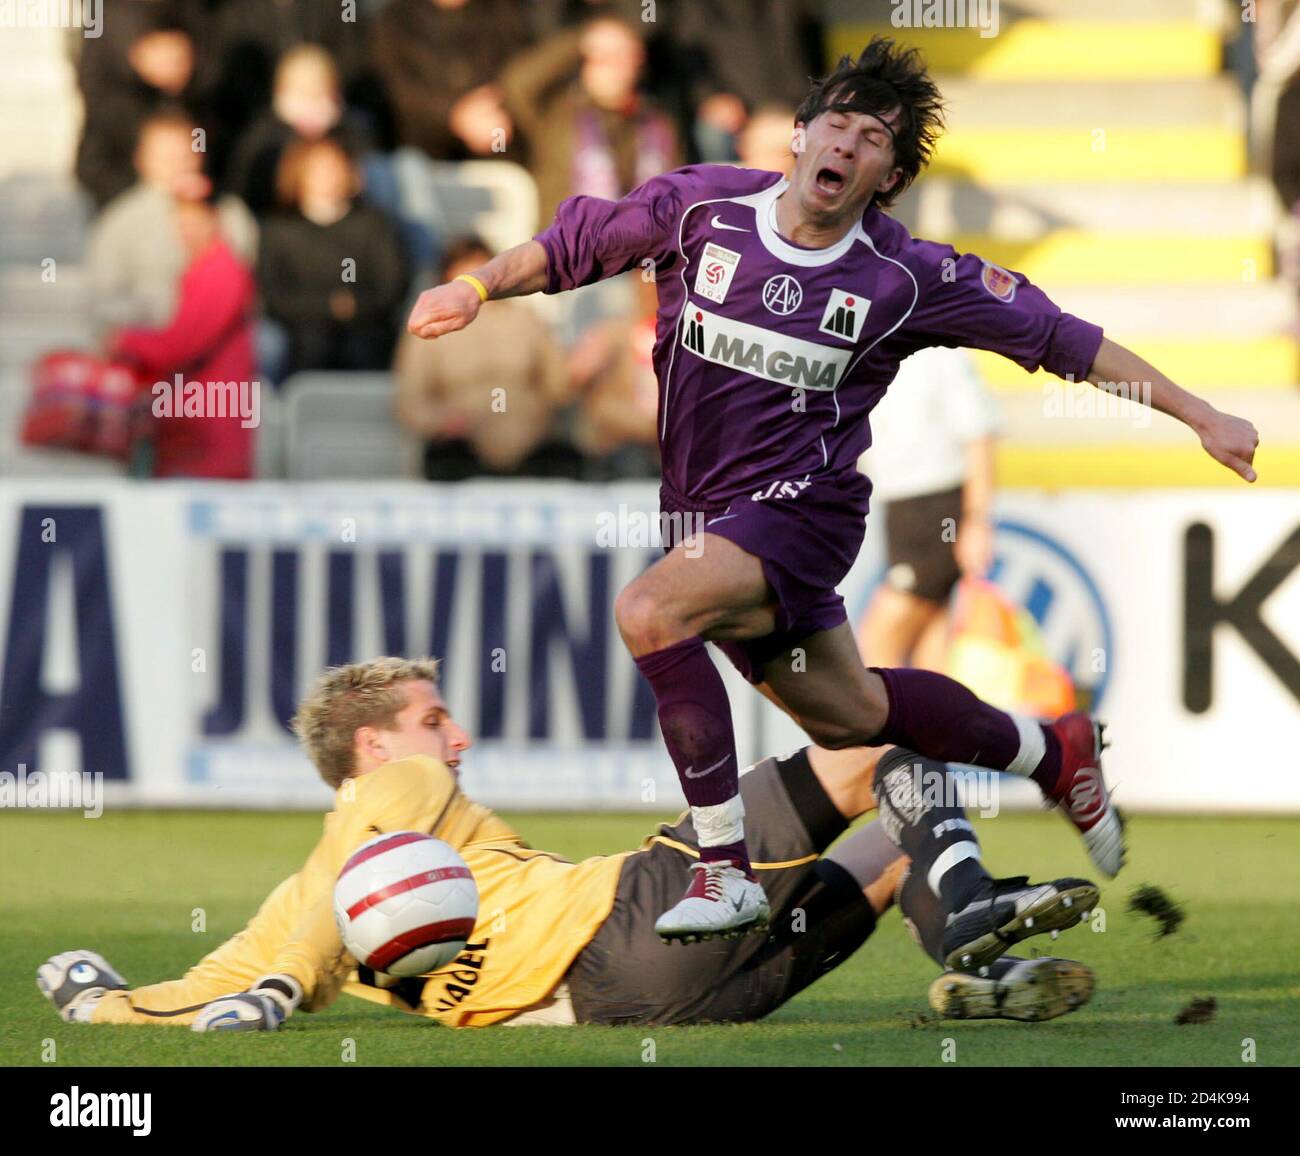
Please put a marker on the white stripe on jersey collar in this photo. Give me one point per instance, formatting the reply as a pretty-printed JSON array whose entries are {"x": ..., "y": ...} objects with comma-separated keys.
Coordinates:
[{"x": 765, "y": 217}]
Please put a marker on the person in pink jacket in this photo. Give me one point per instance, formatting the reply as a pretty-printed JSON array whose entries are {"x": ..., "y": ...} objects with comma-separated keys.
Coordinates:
[{"x": 201, "y": 365}]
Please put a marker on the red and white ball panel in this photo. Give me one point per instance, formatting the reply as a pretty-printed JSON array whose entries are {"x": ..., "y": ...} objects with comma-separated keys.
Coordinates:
[{"x": 405, "y": 903}]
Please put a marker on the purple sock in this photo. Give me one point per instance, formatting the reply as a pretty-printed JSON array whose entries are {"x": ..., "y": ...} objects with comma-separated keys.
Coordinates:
[
  {"x": 695, "y": 717},
  {"x": 939, "y": 718},
  {"x": 737, "y": 853}
]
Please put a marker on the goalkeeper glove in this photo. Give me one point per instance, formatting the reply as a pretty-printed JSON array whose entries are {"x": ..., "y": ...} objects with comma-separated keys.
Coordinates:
[
  {"x": 262, "y": 1008},
  {"x": 75, "y": 981}
]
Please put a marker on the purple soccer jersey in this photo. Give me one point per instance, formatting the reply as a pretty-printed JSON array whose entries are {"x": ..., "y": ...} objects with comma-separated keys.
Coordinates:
[{"x": 770, "y": 356}]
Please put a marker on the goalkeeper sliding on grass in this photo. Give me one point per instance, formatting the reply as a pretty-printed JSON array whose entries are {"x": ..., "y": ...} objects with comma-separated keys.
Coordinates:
[{"x": 559, "y": 942}]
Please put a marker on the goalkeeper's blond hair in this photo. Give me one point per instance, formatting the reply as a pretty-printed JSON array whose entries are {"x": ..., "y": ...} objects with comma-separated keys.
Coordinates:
[{"x": 344, "y": 698}]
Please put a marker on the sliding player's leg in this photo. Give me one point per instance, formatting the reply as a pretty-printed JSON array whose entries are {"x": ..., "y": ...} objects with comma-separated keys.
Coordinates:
[
  {"x": 81, "y": 997},
  {"x": 830, "y": 915},
  {"x": 823, "y": 685},
  {"x": 1009, "y": 987},
  {"x": 977, "y": 916},
  {"x": 705, "y": 585}
]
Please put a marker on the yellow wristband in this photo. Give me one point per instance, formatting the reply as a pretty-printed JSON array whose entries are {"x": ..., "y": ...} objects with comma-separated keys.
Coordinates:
[{"x": 479, "y": 287}]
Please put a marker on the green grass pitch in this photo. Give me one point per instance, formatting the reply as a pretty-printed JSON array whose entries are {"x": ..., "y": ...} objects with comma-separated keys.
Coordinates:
[{"x": 127, "y": 885}]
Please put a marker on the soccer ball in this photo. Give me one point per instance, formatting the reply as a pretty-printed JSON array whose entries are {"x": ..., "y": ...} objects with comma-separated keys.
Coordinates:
[{"x": 405, "y": 903}]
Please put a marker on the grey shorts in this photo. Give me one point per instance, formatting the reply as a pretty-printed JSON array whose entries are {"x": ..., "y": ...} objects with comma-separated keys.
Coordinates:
[{"x": 628, "y": 975}]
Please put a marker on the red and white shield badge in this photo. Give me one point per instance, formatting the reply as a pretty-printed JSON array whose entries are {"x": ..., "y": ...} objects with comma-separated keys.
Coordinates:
[{"x": 999, "y": 282}]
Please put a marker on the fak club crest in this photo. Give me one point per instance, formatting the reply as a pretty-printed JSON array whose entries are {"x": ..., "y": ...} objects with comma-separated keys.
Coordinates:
[{"x": 782, "y": 294}]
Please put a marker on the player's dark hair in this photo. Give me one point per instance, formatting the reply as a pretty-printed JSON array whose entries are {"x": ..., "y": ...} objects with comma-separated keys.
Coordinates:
[{"x": 886, "y": 76}]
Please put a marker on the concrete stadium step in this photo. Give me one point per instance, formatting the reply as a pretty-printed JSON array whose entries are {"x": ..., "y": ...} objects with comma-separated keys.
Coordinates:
[
  {"x": 1117, "y": 153},
  {"x": 1211, "y": 102},
  {"x": 1210, "y": 15},
  {"x": 18, "y": 461},
  {"x": 1117, "y": 11},
  {"x": 938, "y": 206},
  {"x": 1074, "y": 257},
  {"x": 24, "y": 339},
  {"x": 47, "y": 147},
  {"x": 23, "y": 293},
  {"x": 42, "y": 215},
  {"x": 1067, "y": 49},
  {"x": 1167, "y": 312},
  {"x": 1086, "y": 416},
  {"x": 1138, "y": 465},
  {"x": 38, "y": 90},
  {"x": 1270, "y": 364}
]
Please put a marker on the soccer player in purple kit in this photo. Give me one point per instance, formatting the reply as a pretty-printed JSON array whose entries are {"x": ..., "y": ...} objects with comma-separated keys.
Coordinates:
[{"x": 785, "y": 307}]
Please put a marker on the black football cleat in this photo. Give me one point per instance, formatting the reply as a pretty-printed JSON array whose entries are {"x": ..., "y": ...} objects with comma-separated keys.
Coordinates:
[{"x": 1009, "y": 910}]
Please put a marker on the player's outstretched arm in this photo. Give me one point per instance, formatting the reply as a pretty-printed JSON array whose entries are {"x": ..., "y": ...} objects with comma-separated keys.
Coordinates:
[
  {"x": 447, "y": 308},
  {"x": 1229, "y": 440},
  {"x": 262, "y": 1008}
]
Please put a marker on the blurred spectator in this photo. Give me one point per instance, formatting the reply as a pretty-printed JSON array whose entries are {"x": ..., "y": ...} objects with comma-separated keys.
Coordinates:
[
  {"x": 731, "y": 56},
  {"x": 617, "y": 428},
  {"x": 1276, "y": 41},
  {"x": 330, "y": 268},
  {"x": 306, "y": 104},
  {"x": 439, "y": 60},
  {"x": 588, "y": 128},
  {"x": 486, "y": 400},
  {"x": 551, "y": 16},
  {"x": 764, "y": 142},
  {"x": 931, "y": 463},
  {"x": 134, "y": 257},
  {"x": 1286, "y": 179},
  {"x": 208, "y": 341},
  {"x": 248, "y": 37},
  {"x": 1286, "y": 147},
  {"x": 143, "y": 62}
]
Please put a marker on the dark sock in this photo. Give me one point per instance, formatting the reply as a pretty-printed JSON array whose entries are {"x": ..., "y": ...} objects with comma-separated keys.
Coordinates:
[
  {"x": 918, "y": 812},
  {"x": 926, "y": 919},
  {"x": 936, "y": 716},
  {"x": 924, "y": 914},
  {"x": 695, "y": 717}
]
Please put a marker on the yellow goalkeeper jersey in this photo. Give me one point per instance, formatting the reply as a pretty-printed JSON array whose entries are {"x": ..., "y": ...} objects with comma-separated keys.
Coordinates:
[{"x": 537, "y": 910}]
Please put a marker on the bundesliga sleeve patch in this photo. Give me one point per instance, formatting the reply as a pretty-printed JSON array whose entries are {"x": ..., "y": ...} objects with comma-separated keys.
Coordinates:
[{"x": 998, "y": 282}]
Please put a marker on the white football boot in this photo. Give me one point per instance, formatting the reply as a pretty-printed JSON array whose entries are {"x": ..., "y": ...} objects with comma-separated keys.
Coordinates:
[{"x": 721, "y": 900}]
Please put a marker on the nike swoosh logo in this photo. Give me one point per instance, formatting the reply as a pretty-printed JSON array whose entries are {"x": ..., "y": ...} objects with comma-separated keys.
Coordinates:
[
  {"x": 721, "y": 518},
  {"x": 719, "y": 223},
  {"x": 691, "y": 773}
]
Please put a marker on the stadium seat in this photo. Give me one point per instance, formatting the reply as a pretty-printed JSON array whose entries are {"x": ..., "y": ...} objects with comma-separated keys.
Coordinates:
[
  {"x": 269, "y": 436},
  {"x": 341, "y": 426},
  {"x": 495, "y": 199}
]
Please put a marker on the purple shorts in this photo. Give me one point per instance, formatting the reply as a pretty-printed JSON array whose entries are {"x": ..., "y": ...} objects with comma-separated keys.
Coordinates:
[{"x": 806, "y": 535}]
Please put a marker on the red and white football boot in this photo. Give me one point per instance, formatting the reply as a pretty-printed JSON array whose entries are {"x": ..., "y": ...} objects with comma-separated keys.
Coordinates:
[
  {"x": 1081, "y": 790},
  {"x": 721, "y": 900}
]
